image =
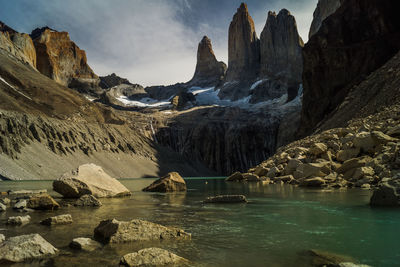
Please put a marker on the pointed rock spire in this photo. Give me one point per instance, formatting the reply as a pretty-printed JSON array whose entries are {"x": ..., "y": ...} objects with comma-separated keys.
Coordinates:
[
  {"x": 281, "y": 46},
  {"x": 208, "y": 69},
  {"x": 243, "y": 47}
]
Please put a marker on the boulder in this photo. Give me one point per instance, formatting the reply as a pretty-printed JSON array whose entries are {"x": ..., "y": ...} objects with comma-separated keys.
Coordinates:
[
  {"x": 361, "y": 172},
  {"x": 89, "y": 179},
  {"x": 316, "y": 257},
  {"x": 114, "y": 231},
  {"x": 285, "y": 179},
  {"x": 381, "y": 138},
  {"x": 250, "y": 177},
  {"x": 317, "y": 149},
  {"x": 2, "y": 238},
  {"x": 83, "y": 243},
  {"x": 313, "y": 182},
  {"x": 364, "y": 141},
  {"x": 261, "y": 171},
  {"x": 236, "y": 177},
  {"x": 42, "y": 202},
  {"x": 172, "y": 182},
  {"x": 25, "y": 247},
  {"x": 273, "y": 172},
  {"x": 343, "y": 155},
  {"x": 313, "y": 169},
  {"x": 5, "y": 201},
  {"x": 19, "y": 220},
  {"x": 153, "y": 257},
  {"x": 387, "y": 194},
  {"x": 21, "y": 204},
  {"x": 226, "y": 199},
  {"x": 353, "y": 163},
  {"x": 88, "y": 201},
  {"x": 3, "y": 207},
  {"x": 58, "y": 220}
]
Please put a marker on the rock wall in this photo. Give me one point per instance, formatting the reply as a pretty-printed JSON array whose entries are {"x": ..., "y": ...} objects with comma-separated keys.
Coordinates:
[
  {"x": 19, "y": 45},
  {"x": 353, "y": 42},
  {"x": 324, "y": 9},
  {"x": 243, "y": 47},
  {"x": 209, "y": 71},
  {"x": 62, "y": 60},
  {"x": 281, "y": 47}
]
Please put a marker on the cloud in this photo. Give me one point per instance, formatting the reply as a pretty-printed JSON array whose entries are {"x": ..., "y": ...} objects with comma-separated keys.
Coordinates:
[{"x": 148, "y": 41}]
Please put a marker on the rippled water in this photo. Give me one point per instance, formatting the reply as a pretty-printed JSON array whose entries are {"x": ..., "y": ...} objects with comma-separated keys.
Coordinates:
[{"x": 271, "y": 230}]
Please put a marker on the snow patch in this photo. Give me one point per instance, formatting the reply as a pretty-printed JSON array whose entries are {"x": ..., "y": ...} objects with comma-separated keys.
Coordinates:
[
  {"x": 257, "y": 83},
  {"x": 144, "y": 102},
  {"x": 12, "y": 87}
]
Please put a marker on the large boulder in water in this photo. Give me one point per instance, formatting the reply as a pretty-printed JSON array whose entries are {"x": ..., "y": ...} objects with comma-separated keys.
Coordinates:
[
  {"x": 42, "y": 202},
  {"x": 114, "y": 231},
  {"x": 25, "y": 247},
  {"x": 89, "y": 179},
  {"x": 387, "y": 194},
  {"x": 171, "y": 182},
  {"x": 153, "y": 257}
]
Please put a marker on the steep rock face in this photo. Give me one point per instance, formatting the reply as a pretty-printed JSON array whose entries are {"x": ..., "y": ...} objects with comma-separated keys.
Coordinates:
[
  {"x": 62, "y": 60},
  {"x": 280, "y": 47},
  {"x": 243, "y": 47},
  {"x": 19, "y": 45},
  {"x": 209, "y": 71},
  {"x": 353, "y": 42},
  {"x": 324, "y": 9}
]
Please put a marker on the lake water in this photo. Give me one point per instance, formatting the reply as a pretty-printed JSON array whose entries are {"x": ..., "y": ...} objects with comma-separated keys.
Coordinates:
[{"x": 272, "y": 229}]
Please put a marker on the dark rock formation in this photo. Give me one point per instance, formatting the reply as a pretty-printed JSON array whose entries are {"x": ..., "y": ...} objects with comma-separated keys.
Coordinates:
[
  {"x": 324, "y": 9},
  {"x": 19, "y": 45},
  {"x": 280, "y": 47},
  {"x": 353, "y": 42},
  {"x": 209, "y": 71},
  {"x": 182, "y": 99},
  {"x": 226, "y": 199},
  {"x": 112, "y": 80},
  {"x": 172, "y": 182},
  {"x": 62, "y": 60},
  {"x": 387, "y": 194},
  {"x": 243, "y": 47}
]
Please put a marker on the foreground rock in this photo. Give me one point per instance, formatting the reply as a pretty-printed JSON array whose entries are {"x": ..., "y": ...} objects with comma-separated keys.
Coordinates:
[
  {"x": 25, "y": 247},
  {"x": 19, "y": 220},
  {"x": 3, "y": 207},
  {"x": 172, "y": 182},
  {"x": 86, "y": 244},
  {"x": 58, "y": 220},
  {"x": 87, "y": 201},
  {"x": 20, "y": 204},
  {"x": 114, "y": 231},
  {"x": 89, "y": 179},
  {"x": 42, "y": 202},
  {"x": 2, "y": 238},
  {"x": 387, "y": 194},
  {"x": 226, "y": 199},
  {"x": 153, "y": 257},
  {"x": 316, "y": 257}
]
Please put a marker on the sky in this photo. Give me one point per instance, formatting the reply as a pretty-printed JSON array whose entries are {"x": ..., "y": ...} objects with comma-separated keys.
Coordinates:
[{"x": 150, "y": 42}]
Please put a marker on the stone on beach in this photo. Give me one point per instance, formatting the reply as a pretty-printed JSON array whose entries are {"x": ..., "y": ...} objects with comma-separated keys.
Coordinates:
[{"x": 86, "y": 244}]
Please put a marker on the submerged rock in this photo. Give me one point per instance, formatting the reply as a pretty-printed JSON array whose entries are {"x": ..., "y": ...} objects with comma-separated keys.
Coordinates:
[
  {"x": 42, "y": 202},
  {"x": 89, "y": 179},
  {"x": 25, "y": 247},
  {"x": 88, "y": 201},
  {"x": 172, "y": 182},
  {"x": 387, "y": 194},
  {"x": 226, "y": 199},
  {"x": 316, "y": 257},
  {"x": 19, "y": 220},
  {"x": 236, "y": 177},
  {"x": 114, "y": 231},
  {"x": 153, "y": 257},
  {"x": 59, "y": 219},
  {"x": 86, "y": 244}
]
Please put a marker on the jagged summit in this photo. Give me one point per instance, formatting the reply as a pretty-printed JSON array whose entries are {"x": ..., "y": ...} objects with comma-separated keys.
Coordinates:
[
  {"x": 6, "y": 28},
  {"x": 38, "y": 31},
  {"x": 209, "y": 71},
  {"x": 280, "y": 46}
]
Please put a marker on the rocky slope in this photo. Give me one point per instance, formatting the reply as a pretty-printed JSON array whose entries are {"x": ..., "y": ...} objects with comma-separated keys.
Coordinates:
[
  {"x": 280, "y": 47},
  {"x": 62, "y": 60},
  {"x": 353, "y": 42},
  {"x": 112, "y": 80},
  {"x": 324, "y": 9},
  {"x": 19, "y": 45}
]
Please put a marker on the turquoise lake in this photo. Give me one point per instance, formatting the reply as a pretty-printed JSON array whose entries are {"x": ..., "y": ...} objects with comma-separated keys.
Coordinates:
[{"x": 277, "y": 224}]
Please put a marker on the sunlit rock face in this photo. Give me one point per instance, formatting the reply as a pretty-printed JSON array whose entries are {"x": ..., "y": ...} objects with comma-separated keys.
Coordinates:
[
  {"x": 324, "y": 9},
  {"x": 280, "y": 47},
  {"x": 209, "y": 71},
  {"x": 243, "y": 47},
  {"x": 62, "y": 60},
  {"x": 19, "y": 45},
  {"x": 353, "y": 42}
]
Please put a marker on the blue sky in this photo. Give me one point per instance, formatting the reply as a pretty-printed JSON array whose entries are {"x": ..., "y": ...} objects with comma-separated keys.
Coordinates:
[{"x": 148, "y": 41}]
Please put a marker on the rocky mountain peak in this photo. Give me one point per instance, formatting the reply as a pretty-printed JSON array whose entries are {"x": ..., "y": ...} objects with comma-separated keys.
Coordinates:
[
  {"x": 324, "y": 9},
  {"x": 6, "y": 28},
  {"x": 243, "y": 47},
  {"x": 112, "y": 80},
  {"x": 39, "y": 31},
  {"x": 280, "y": 46},
  {"x": 208, "y": 70}
]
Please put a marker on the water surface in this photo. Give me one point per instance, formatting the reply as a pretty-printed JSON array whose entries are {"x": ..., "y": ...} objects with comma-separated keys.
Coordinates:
[{"x": 271, "y": 230}]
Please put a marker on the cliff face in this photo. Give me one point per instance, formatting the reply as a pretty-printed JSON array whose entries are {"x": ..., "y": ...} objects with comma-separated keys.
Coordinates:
[
  {"x": 324, "y": 9},
  {"x": 208, "y": 71},
  {"x": 353, "y": 42},
  {"x": 243, "y": 47},
  {"x": 19, "y": 45},
  {"x": 280, "y": 47},
  {"x": 61, "y": 59}
]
